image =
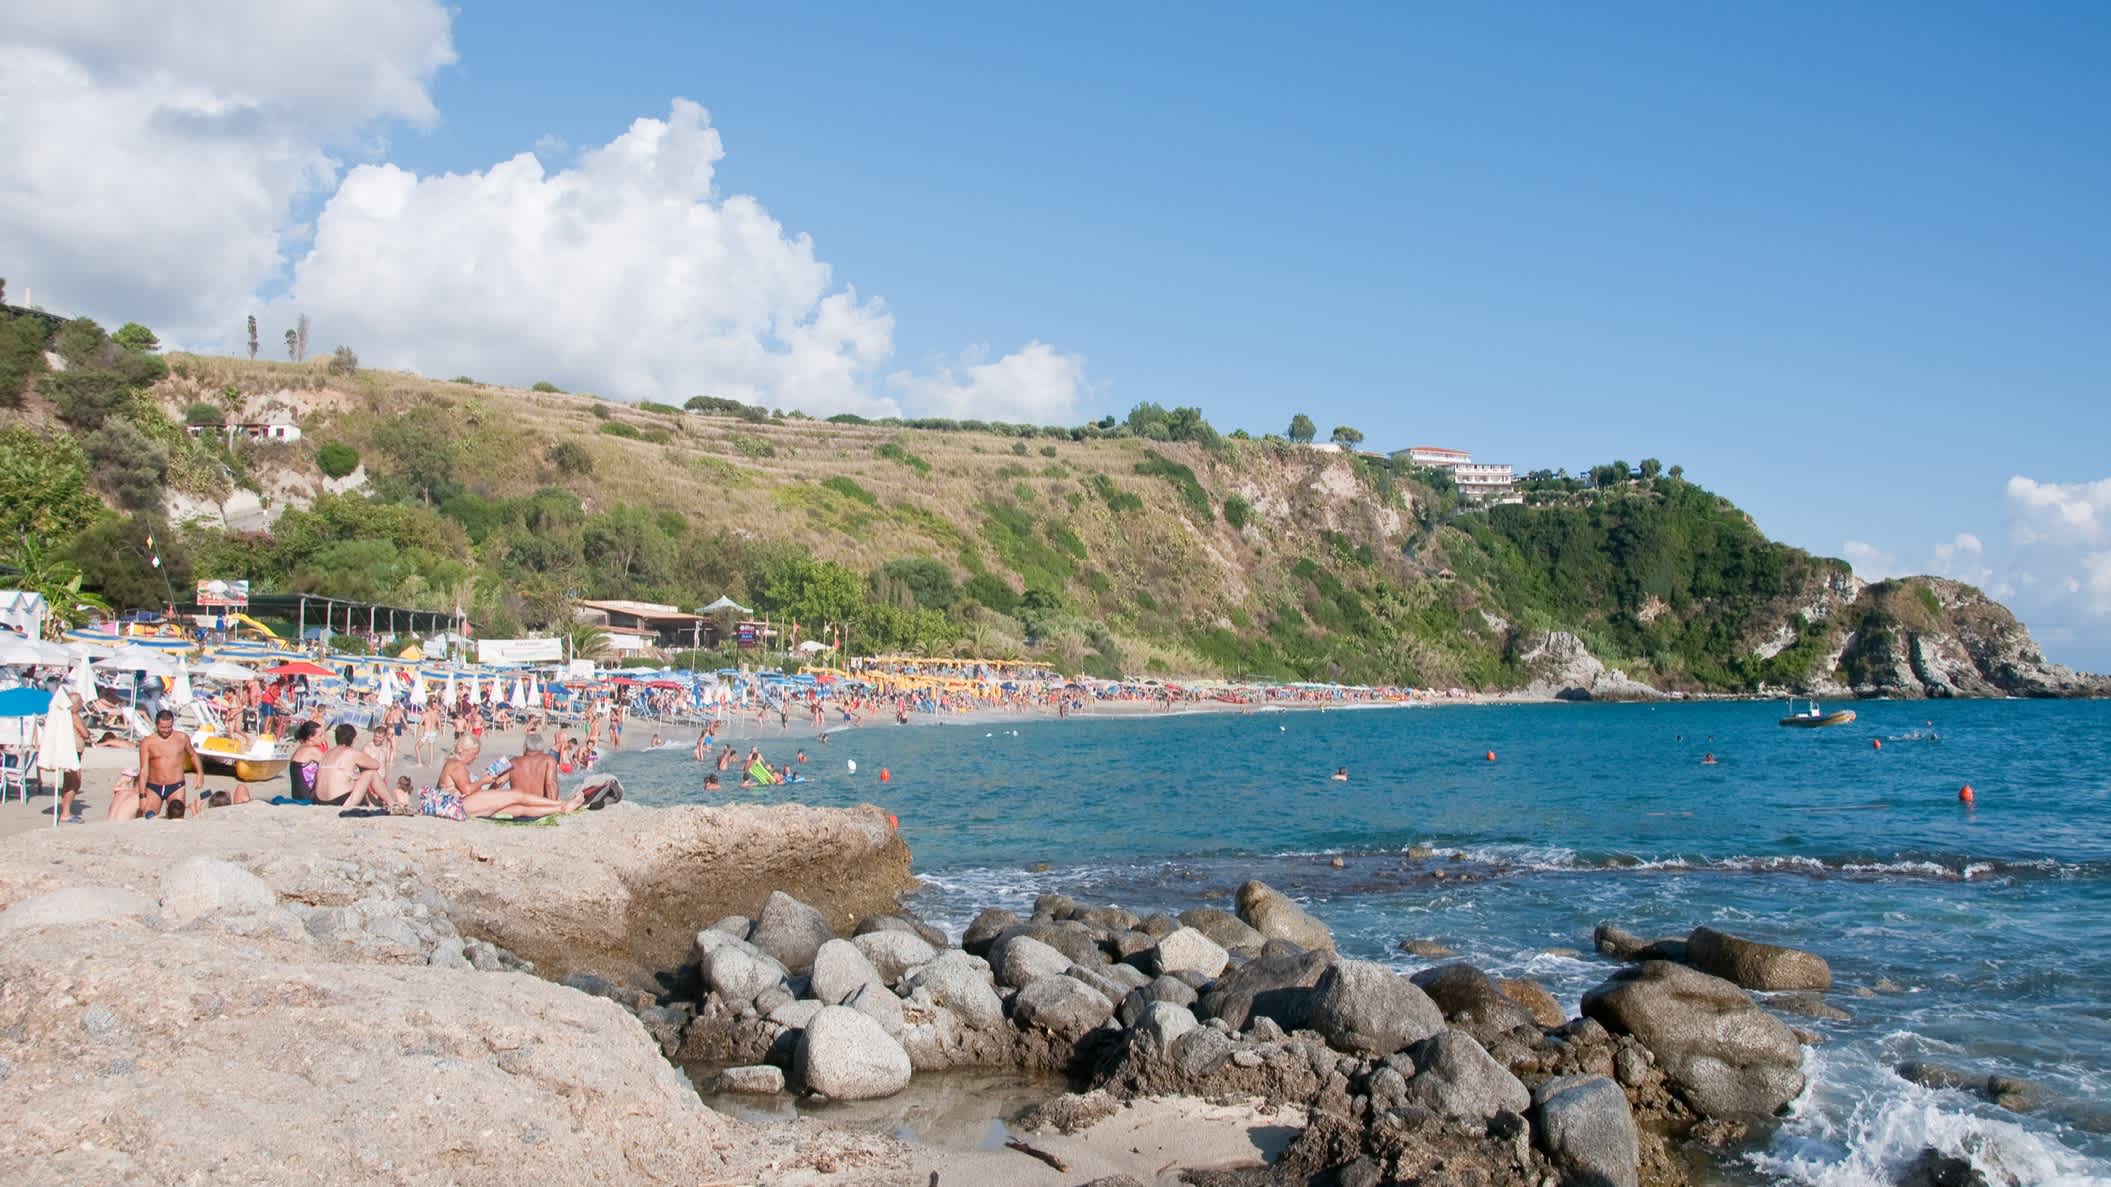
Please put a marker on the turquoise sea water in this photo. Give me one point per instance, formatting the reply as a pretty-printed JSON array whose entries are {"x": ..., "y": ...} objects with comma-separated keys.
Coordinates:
[{"x": 1993, "y": 922}]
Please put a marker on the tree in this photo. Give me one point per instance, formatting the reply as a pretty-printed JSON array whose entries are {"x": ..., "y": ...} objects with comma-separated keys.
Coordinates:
[
  {"x": 114, "y": 562},
  {"x": 21, "y": 356},
  {"x": 419, "y": 447},
  {"x": 336, "y": 459},
  {"x": 202, "y": 413},
  {"x": 252, "y": 335},
  {"x": 544, "y": 385},
  {"x": 569, "y": 457},
  {"x": 1346, "y": 437},
  {"x": 1651, "y": 467},
  {"x": 85, "y": 397},
  {"x": 43, "y": 486},
  {"x": 292, "y": 349},
  {"x": 588, "y": 641},
  {"x": 300, "y": 338},
  {"x": 40, "y": 569},
  {"x": 343, "y": 361},
  {"x": 1302, "y": 430},
  {"x": 127, "y": 466},
  {"x": 1678, "y": 473},
  {"x": 135, "y": 337},
  {"x": 1622, "y": 471}
]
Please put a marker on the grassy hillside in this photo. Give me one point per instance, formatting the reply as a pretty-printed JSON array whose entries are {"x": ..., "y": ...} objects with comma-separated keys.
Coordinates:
[{"x": 1112, "y": 549}]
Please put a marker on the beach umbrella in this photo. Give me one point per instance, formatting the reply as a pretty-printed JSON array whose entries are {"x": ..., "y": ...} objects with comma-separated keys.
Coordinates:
[
  {"x": 24, "y": 702},
  {"x": 16, "y": 652},
  {"x": 137, "y": 659},
  {"x": 299, "y": 667},
  {"x": 520, "y": 693},
  {"x": 450, "y": 687},
  {"x": 180, "y": 694},
  {"x": 223, "y": 671},
  {"x": 84, "y": 682},
  {"x": 57, "y": 751}
]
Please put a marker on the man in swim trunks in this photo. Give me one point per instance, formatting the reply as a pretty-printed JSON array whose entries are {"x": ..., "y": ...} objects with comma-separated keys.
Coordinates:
[
  {"x": 167, "y": 761},
  {"x": 348, "y": 777},
  {"x": 429, "y": 721},
  {"x": 481, "y": 797}
]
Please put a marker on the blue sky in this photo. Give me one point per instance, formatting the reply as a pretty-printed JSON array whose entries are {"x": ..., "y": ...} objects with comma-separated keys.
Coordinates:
[{"x": 1850, "y": 265}]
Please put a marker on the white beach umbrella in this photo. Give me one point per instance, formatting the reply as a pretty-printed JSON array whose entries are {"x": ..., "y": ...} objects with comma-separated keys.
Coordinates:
[
  {"x": 450, "y": 687},
  {"x": 418, "y": 695},
  {"x": 138, "y": 659},
  {"x": 180, "y": 693},
  {"x": 223, "y": 671},
  {"x": 520, "y": 693},
  {"x": 84, "y": 682},
  {"x": 16, "y": 652},
  {"x": 56, "y": 751}
]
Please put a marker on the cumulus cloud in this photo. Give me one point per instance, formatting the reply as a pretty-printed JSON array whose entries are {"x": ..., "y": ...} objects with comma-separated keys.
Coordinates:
[
  {"x": 1869, "y": 562},
  {"x": 154, "y": 155},
  {"x": 1035, "y": 385},
  {"x": 2062, "y": 536}
]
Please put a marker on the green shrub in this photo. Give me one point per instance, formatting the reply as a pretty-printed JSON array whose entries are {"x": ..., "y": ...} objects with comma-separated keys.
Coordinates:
[
  {"x": 1019, "y": 447},
  {"x": 1183, "y": 479},
  {"x": 849, "y": 489},
  {"x": 601, "y": 411},
  {"x": 991, "y": 591},
  {"x": 335, "y": 459},
  {"x": 202, "y": 413},
  {"x": 1237, "y": 512},
  {"x": 754, "y": 447},
  {"x": 666, "y": 409},
  {"x": 1116, "y": 499},
  {"x": 569, "y": 457},
  {"x": 1048, "y": 451},
  {"x": 895, "y": 453},
  {"x": 616, "y": 428},
  {"x": 544, "y": 385}
]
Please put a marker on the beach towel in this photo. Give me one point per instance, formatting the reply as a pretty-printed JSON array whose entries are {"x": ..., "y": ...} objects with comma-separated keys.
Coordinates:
[{"x": 444, "y": 804}]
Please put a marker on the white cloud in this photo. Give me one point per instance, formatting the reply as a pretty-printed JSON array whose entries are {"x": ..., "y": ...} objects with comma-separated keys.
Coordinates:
[
  {"x": 1869, "y": 562},
  {"x": 1037, "y": 384},
  {"x": 2062, "y": 533},
  {"x": 1963, "y": 558},
  {"x": 153, "y": 155}
]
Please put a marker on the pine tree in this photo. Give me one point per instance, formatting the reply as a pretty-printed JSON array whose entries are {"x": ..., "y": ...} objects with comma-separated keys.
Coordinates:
[
  {"x": 252, "y": 336},
  {"x": 292, "y": 347},
  {"x": 301, "y": 338}
]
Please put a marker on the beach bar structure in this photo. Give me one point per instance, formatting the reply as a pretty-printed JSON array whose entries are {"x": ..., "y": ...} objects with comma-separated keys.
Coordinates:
[
  {"x": 332, "y": 614},
  {"x": 641, "y": 626}
]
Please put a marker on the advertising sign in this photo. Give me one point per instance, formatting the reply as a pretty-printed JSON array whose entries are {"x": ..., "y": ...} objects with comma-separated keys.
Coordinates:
[
  {"x": 748, "y": 634},
  {"x": 519, "y": 651},
  {"x": 233, "y": 595}
]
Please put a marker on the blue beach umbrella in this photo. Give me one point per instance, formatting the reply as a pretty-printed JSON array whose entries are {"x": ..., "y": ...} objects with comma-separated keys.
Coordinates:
[{"x": 24, "y": 702}]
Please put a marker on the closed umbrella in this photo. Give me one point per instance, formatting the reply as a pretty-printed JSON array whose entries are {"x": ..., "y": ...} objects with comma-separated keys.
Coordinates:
[
  {"x": 451, "y": 696},
  {"x": 418, "y": 694},
  {"x": 181, "y": 695},
  {"x": 84, "y": 682},
  {"x": 57, "y": 751},
  {"x": 520, "y": 693}
]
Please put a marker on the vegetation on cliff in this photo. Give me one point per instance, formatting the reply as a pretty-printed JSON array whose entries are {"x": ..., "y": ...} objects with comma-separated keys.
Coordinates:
[{"x": 1152, "y": 545}]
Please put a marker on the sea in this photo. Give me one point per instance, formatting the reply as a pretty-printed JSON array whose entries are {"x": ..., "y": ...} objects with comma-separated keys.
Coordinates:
[{"x": 1975, "y": 935}]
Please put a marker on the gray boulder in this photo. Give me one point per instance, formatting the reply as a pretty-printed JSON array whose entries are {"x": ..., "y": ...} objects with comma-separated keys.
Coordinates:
[
  {"x": 1586, "y": 1127},
  {"x": 1456, "y": 1077},
  {"x": 1073, "y": 940},
  {"x": 201, "y": 886},
  {"x": 878, "y": 1003},
  {"x": 893, "y": 952},
  {"x": 1723, "y": 1054},
  {"x": 1231, "y": 933},
  {"x": 1187, "y": 950},
  {"x": 1278, "y": 987},
  {"x": 1158, "y": 923},
  {"x": 840, "y": 970},
  {"x": 1022, "y": 960},
  {"x": 740, "y": 972},
  {"x": 1473, "y": 1002},
  {"x": 1368, "y": 1009},
  {"x": 794, "y": 1015},
  {"x": 1754, "y": 965},
  {"x": 73, "y": 905},
  {"x": 758, "y": 1080},
  {"x": 906, "y": 924},
  {"x": 1163, "y": 989},
  {"x": 984, "y": 929},
  {"x": 844, "y": 1055},
  {"x": 1062, "y": 1006},
  {"x": 1163, "y": 1022},
  {"x": 790, "y": 931},
  {"x": 1271, "y": 913},
  {"x": 959, "y": 983},
  {"x": 1114, "y": 981}
]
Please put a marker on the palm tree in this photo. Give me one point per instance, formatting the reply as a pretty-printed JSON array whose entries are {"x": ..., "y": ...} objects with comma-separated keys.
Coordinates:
[{"x": 588, "y": 641}]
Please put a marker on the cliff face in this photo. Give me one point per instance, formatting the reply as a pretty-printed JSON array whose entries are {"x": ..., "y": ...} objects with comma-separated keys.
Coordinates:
[{"x": 1932, "y": 637}]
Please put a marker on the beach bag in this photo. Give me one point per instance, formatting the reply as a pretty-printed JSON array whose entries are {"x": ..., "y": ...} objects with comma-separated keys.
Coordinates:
[{"x": 444, "y": 804}]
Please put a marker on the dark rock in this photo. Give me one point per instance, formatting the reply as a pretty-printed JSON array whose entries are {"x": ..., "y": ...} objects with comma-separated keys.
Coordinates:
[
  {"x": 1472, "y": 1002},
  {"x": 1110, "y": 919},
  {"x": 1544, "y": 1007},
  {"x": 1933, "y": 1168},
  {"x": 1426, "y": 949},
  {"x": 1588, "y": 1130},
  {"x": 1724, "y": 1055},
  {"x": 1131, "y": 946},
  {"x": 1159, "y": 923},
  {"x": 1164, "y": 989},
  {"x": 790, "y": 931},
  {"x": 1271, "y": 913},
  {"x": 1754, "y": 965},
  {"x": 1616, "y": 942},
  {"x": 1809, "y": 1005},
  {"x": 1062, "y": 1006},
  {"x": 1228, "y": 930},
  {"x": 1279, "y": 987},
  {"x": 1071, "y": 940},
  {"x": 1050, "y": 907},
  {"x": 1936, "y": 1075},
  {"x": 985, "y": 929},
  {"x": 1369, "y": 1009}
]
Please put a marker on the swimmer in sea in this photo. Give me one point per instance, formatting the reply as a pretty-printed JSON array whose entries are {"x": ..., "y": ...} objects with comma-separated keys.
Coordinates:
[
  {"x": 802, "y": 756},
  {"x": 711, "y": 782},
  {"x": 1341, "y": 774},
  {"x": 1708, "y": 760}
]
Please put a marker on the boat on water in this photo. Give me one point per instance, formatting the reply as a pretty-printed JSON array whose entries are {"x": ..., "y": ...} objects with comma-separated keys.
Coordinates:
[{"x": 1816, "y": 718}]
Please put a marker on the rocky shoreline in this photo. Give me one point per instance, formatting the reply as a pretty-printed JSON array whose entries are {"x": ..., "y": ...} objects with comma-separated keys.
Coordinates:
[{"x": 273, "y": 995}]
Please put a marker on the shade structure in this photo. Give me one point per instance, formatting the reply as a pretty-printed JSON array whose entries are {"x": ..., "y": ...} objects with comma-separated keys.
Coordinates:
[
  {"x": 138, "y": 659},
  {"x": 724, "y": 604},
  {"x": 299, "y": 667},
  {"x": 17, "y": 652},
  {"x": 223, "y": 671}
]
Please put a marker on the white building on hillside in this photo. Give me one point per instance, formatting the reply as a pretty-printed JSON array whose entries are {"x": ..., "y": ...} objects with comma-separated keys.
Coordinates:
[
  {"x": 1435, "y": 455},
  {"x": 1482, "y": 481}
]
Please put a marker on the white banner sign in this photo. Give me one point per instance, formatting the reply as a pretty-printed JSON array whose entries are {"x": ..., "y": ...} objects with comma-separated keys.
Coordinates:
[{"x": 519, "y": 651}]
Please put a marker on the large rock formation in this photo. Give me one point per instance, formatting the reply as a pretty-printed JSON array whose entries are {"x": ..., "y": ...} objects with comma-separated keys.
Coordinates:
[
  {"x": 1932, "y": 637},
  {"x": 1727, "y": 1057},
  {"x": 1561, "y": 666}
]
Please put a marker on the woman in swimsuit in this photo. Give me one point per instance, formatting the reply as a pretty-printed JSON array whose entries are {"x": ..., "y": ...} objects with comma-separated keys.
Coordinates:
[{"x": 306, "y": 761}]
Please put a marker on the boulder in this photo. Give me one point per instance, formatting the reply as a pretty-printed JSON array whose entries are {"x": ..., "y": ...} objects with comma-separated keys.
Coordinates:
[
  {"x": 984, "y": 929},
  {"x": 1933, "y": 1168},
  {"x": 1544, "y": 1007},
  {"x": 1022, "y": 960},
  {"x": 740, "y": 972},
  {"x": 1164, "y": 989},
  {"x": 1587, "y": 1129},
  {"x": 73, "y": 905},
  {"x": 1271, "y": 913},
  {"x": 1073, "y": 940},
  {"x": 1472, "y": 1002},
  {"x": 758, "y": 1080},
  {"x": 790, "y": 931},
  {"x": 959, "y": 983},
  {"x": 1368, "y": 1009},
  {"x": 893, "y": 952},
  {"x": 1114, "y": 981},
  {"x": 1102, "y": 918},
  {"x": 1130, "y": 945},
  {"x": 878, "y": 1003},
  {"x": 1230, "y": 932},
  {"x": 1187, "y": 950},
  {"x": 1754, "y": 965},
  {"x": 201, "y": 886},
  {"x": 844, "y": 1055},
  {"x": 1723, "y": 1054},
  {"x": 1278, "y": 987},
  {"x": 840, "y": 970},
  {"x": 794, "y": 1015},
  {"x": 1062, "y": 1006},
  {"x": 1158, "y": 923},
  {"x": 1456, "y": 1077},
  {"x": 905, "y": 924},
  {"x": 1163, "y": 1022}
]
